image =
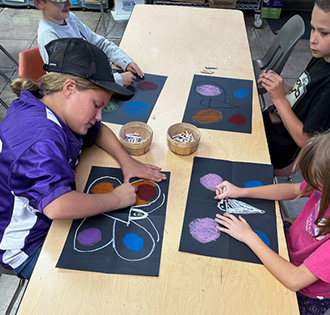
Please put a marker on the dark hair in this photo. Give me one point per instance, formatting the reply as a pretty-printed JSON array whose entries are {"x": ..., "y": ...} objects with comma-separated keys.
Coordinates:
[
  {"x": 313, "y": 162},
  {"x": 323, "y": 5}
]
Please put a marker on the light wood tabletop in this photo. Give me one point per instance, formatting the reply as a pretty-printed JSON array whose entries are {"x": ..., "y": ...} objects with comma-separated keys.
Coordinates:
[{"x": 176, "y": 42}]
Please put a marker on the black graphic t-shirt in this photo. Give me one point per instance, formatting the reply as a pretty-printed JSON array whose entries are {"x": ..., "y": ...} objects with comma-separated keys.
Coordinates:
[{"x": 310, "y": 101}]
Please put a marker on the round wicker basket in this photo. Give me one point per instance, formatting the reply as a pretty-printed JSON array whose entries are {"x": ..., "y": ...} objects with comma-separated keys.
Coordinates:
[
  {"x": 144, "y": 131},
  {"x": 181, "y": 148}
]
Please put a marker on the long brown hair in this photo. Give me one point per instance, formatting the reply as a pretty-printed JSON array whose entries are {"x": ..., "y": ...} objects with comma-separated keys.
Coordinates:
[{"x": 314, "y": 164}]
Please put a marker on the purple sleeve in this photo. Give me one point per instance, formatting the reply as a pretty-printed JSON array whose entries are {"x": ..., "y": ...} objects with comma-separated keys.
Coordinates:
[{"x": 42, "y": 173}]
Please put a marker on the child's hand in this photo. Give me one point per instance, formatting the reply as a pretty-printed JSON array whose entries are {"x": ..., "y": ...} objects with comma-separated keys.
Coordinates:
[
  {"x": 273, "y": 83},
  {"x": 137, "y": 169},
  {"x": 133, "y": 67},
  {"x": 226, "y": 190},
  {"x": 126, "y": 195},
  {"x": 237, "y": 228},
  {"x": 128, "y": 78}
]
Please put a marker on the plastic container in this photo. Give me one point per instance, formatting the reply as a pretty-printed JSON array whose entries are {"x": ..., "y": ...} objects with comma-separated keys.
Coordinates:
[
  {"x": 144, "y": 131},
  {"x": 94, "y": 4},
  {"x": 16, "y": 3},
  {"x": 181, "y": 148}
]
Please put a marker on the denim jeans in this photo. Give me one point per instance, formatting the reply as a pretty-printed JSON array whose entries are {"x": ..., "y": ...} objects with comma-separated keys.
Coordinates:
[{"x": 25, "y": 270}]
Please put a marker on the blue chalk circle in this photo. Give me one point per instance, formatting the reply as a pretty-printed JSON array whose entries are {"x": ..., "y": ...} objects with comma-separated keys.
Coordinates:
[
  {"x": 253, "y": 183},
  {"x": 133, "y": 242},
  {"x": 263, "y": 237},
  {"x": 135, "y": 108},
  {"x": 241, "y": 93}
]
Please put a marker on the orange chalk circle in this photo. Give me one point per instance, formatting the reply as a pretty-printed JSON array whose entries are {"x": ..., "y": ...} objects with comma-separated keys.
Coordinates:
[
  {"x": 207, "y": 116},
  {"x": 102, "y": 188}
]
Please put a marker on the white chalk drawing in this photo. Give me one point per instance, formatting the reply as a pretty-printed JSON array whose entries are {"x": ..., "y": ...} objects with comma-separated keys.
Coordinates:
[
  {"x": 237, "y": 207},
  {"x": 134, "y": 217}
]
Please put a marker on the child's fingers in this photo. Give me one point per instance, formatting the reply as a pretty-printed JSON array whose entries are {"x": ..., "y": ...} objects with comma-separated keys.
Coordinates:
[
  {"x": 228, "y": 218},
  {"x": 242, "y": 219}
]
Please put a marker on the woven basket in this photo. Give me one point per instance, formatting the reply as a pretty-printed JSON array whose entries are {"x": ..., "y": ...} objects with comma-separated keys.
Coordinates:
[
  {"x": 145, "y": 133},
  {"x": 183, "y": 148}
]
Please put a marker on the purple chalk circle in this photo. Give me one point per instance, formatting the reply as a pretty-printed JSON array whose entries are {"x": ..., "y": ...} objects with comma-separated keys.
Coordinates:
[
  {"x": 89, "y": 237},
  {"x": 211, "y": 181},
  {"x": 208, "y": 90},
  {"x": 204, "y": 230}
]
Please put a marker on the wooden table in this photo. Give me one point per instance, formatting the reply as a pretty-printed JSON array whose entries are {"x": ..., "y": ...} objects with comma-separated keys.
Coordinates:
[{"x": 176, "y": 42}]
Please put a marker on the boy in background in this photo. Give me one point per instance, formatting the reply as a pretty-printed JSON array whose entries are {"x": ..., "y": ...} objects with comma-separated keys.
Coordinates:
[
  {"x": 301, "y": 111},
  {"x": 59, "y": 22}
]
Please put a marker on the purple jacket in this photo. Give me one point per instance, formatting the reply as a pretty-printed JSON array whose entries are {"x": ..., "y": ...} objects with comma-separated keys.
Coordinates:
[{"x": 38, "y": 156}]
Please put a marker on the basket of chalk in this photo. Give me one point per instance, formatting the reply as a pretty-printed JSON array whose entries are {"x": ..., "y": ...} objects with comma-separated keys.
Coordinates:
[
  {"x": 136, "y": 137},
  {"x": 183, "y": 138}
]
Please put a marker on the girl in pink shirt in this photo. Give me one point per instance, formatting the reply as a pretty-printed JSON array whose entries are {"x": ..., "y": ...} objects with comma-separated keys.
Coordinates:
[{"x": 308, "y": 272}]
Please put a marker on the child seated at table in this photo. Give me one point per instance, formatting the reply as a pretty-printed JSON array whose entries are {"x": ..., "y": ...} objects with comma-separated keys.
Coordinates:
[
  {"x": 308, "y": 238},
  {"x": 59, "y": 22},
  {"x": 40, "y": 143},
  {"x": 303, "y": 110}
]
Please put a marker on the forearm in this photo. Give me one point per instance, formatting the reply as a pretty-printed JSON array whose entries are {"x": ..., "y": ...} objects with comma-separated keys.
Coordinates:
[
  {"x": 271, "y": 192},
  {"x": 287, "y": 88},
  {"x": 75, "y": 205},
  {"x": 291, "y": 122},
  {"x": 108, "y": 141},
  {"x": 293, "y": 277}
]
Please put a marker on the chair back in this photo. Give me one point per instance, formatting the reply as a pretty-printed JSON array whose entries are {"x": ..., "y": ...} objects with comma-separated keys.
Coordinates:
[
  {"x": 279, "y": 51},
  {"x": 30, "y": 64}
]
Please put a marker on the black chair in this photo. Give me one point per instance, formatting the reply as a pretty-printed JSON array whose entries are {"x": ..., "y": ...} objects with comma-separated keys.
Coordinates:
[
  {"x": 18, "y": 289},
  {"x": 8, "y": 79},
  {"x": 280, "y": 50}
]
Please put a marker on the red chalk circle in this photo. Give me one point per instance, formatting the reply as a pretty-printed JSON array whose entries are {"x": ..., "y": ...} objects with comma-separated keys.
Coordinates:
[
  {"x": 237, "y": 119},
  {"x": 147, "y": 86}
]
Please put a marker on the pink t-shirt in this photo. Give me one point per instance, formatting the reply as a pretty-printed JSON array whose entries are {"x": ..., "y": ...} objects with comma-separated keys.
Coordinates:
[{"x": 313, "y": 252}]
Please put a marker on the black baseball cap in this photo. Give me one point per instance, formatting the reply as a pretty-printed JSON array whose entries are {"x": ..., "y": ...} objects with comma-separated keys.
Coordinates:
[{"x": 85, "y": 60}]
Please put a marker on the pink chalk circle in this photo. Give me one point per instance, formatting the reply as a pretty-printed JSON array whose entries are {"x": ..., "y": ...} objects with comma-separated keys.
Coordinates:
[
  {"x": 89, "y": 237},
  {"x": 211, "y": 181},
  {"x": 204, "y": 230},
  {"x": 208, "y": 90}
]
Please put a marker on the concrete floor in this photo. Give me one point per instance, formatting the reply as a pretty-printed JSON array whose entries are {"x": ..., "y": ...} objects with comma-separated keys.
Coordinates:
[{"x": 19, "y": 31}]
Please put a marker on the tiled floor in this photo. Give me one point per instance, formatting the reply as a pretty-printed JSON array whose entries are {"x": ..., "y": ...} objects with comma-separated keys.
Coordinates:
[{"x": 19, "y": 31}]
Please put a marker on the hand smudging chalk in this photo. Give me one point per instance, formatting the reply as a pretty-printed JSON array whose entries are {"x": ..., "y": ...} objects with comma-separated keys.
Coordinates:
[{"x": 211, "y": 181}]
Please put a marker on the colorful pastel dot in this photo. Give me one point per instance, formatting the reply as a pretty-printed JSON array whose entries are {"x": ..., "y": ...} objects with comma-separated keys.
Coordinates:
[
  {"x": 263, "y": 237},
  {"x": 211, "y": 181},
  {"x": 89, "y": 237},
  {"x": 253, "y": 183},
  {"x": 133, "y": 242},
  {"x": 207, "y": 116},
  {"x": 241, "y": 93},
  {"x": 146, "y": 192},
  {"x": 147, "y": 86},
  {"x": 135, "y": 108},
  {"x": 204, "y": 230},
  {"x": 111, "y": 107},
  {"x": 208, "y": 90},
  {"x": 237, "y": 119}
]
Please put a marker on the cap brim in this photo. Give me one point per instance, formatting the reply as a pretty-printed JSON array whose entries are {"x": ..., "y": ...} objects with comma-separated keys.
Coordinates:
[{"x": 121, "y": 93}]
